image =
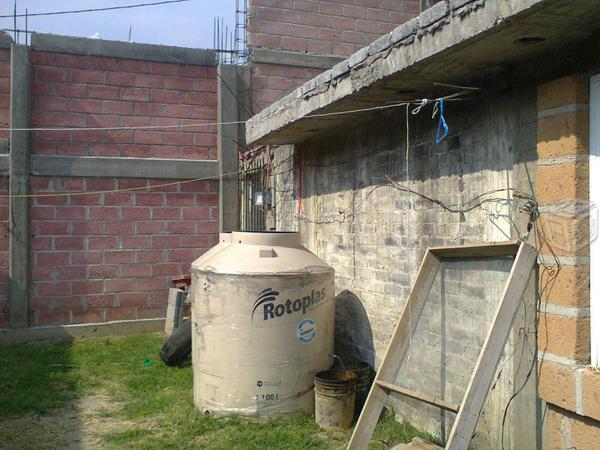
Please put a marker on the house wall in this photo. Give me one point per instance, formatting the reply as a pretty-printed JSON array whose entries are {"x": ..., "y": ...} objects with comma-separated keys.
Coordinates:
[
  {"x": 100, "y": 251},
  {"x": 375, "y": 240},
  {"x": 567, "y": 383}
]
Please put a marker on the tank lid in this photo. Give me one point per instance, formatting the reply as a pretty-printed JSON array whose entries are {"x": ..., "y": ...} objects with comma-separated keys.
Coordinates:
[{"x": 267, "y": 238}]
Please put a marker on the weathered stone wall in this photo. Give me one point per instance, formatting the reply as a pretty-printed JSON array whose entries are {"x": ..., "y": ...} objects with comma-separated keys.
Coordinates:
[{"x": 375, "y": 238}]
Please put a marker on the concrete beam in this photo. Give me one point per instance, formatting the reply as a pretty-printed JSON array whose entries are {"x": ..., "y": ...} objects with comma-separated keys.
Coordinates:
[
  {"x": 456, "y": 43},
  {"x": 283, "y": 58},
  {"x": 80, "y": 331},
  {"x": 233, "y": 90},
  {"x": 97, "y": 166},
  {"x": 4, "y": 165},
  {"x": 125, "y": 50},
  {"x": 19, "y": 168}
]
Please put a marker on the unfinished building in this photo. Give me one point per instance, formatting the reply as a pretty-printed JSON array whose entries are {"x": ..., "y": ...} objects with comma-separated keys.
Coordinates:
[{"x": 371, "y": 180}]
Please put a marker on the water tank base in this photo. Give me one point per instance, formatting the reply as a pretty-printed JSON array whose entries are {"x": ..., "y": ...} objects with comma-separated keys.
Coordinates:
[{"x": 303, "y": 406}]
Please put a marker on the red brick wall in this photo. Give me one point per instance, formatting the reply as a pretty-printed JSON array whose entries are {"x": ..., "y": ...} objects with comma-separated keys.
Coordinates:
[
  {"x": 90, "y": 91},
  {"x": 271, "y": 82},
  {"x": 110, "y": 256},
  {"x": 324, "y": 27},
  {"x": 107, "y": 256},
  {"x": 319, "y": 27}
]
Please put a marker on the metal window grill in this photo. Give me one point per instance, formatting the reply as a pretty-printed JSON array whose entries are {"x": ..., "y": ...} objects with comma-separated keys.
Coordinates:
[{"x": 252, "y": 180}]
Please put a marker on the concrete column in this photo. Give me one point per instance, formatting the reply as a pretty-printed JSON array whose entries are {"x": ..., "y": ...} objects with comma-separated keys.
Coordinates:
[
  {"x": 233, "y": 105},
  {"x": 19, "y": 169}
]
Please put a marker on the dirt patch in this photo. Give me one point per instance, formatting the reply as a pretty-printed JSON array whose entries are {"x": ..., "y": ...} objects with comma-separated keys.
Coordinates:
[{"x": 80, "y": 424}]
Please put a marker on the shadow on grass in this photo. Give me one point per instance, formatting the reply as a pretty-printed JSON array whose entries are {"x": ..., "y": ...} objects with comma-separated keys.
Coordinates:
[
  {"x": 36, "y": 378},
  {"x": 37, "y": 381},
  {"x": 116, "y": 393}
]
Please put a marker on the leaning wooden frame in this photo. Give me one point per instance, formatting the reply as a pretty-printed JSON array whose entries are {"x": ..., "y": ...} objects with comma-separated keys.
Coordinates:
[{"x": 467, "y": 413}]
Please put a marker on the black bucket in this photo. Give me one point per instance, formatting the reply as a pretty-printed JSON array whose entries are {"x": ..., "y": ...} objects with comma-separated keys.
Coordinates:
[{"x": 363, "y": 372}]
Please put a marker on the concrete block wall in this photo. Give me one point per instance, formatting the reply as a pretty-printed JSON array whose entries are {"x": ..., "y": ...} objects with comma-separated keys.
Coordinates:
[
  {"x": 314, "y": 27},
  {"x": 97, "y": 257},
  {"x": 566, "y": 381},
  {"x": 375, "y": 240}
]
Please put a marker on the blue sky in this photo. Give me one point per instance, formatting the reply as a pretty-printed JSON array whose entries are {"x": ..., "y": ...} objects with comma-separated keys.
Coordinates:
[{"x": 187, "y": 24}]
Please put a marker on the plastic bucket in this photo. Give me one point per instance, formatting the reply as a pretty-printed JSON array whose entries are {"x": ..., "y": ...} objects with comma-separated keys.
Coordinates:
[
  {"x": 363, "y": 371},
  {"x": 335, "y": 398}
]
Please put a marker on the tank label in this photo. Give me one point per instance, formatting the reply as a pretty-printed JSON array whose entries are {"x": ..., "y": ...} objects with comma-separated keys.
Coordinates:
[
  {"x": 306, "y": 331},
  {"x": 271, "y": 307}
]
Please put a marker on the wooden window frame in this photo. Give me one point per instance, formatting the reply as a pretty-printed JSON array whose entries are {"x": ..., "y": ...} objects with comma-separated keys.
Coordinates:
[{"x": 468, "y": 411}]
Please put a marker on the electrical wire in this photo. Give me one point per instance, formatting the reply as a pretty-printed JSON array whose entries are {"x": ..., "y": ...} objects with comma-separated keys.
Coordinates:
[
  {"x": 88, "y": 10},
  {"x": 137, "y": 127},
  {"x": 235, "y": 96},
  {"x": 468, "y": 206},
  {"x": 138, "y": 188},
  {"x": 552, "y": 271},
  {"x": 209, "y": 124}
]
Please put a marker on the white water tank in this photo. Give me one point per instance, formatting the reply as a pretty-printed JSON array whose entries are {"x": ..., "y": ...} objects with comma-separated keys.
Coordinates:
[
  {"x": 224, "y": 241},
  {"x": 262, "y": 325}
]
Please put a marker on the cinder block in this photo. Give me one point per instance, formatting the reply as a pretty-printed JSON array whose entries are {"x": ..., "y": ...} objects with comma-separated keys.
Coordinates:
[
  {"x": 563, "y": 91},
  {"x": 563, "y": 135},
  {"x": 565, "y": 234},
  {"x": 565, "y": 336},
  {"x": 568, "y": 430},
  {"x": 562, "y": 183},
  {"x": 585, "y": 432},
  {"x": 590, "y": 379},
  {"x": 570, "y": 287},
  {"x": 556, "y": 384},
  {"x": 174, "y": 309}
]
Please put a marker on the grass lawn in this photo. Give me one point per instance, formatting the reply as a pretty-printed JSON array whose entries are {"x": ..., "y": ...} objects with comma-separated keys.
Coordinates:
[{"x": 116, "y": 393}]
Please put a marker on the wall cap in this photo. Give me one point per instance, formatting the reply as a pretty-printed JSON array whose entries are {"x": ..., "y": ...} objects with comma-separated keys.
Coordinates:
[
  {"x": 9, "y": 336},
  {"x": 124, "y": 50},
  {"x": 5, "y": 39},
  {"x": 122, "y": 167}
]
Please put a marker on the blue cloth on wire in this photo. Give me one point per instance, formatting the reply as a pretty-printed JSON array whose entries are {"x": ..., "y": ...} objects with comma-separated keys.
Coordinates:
[{"x": 442, "y": 128}]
